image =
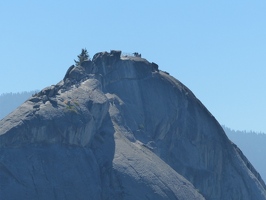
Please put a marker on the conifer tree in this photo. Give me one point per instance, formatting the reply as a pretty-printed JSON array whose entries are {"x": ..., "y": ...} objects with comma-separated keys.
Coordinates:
[{"x": 83, "y": 56}]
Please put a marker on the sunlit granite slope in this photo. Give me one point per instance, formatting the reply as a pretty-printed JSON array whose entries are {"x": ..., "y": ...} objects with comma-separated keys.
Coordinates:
[{"x": 118, "y": 128}]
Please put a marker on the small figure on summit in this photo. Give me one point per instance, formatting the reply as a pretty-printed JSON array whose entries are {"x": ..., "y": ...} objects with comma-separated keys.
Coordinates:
[{"x": 136, "y": 54}]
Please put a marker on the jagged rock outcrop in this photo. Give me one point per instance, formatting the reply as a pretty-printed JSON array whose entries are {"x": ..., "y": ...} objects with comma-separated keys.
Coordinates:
[{"x": 118, "y": 128}]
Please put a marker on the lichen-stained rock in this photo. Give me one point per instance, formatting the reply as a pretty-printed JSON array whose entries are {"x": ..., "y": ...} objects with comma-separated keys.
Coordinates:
[{"x": 118, "y": 128}]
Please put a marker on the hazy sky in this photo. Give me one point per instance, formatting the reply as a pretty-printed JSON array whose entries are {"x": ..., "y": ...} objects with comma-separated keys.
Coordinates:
[{"x": 216, "y": 48}]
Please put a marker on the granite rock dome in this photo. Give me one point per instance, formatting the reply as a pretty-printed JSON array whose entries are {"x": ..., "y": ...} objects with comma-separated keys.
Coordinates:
[{"x": 116, "y": 127}]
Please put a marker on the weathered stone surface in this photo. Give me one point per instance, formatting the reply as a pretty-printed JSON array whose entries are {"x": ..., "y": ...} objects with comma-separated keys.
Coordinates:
[{"x": 118, "y": 128}]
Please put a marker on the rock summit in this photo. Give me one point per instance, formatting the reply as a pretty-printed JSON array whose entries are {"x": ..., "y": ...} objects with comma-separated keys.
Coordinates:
[{"x": 116, "y": 127}]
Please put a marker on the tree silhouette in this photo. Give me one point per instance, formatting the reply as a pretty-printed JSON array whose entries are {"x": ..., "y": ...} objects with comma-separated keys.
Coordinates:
[{"x": 83, "y": 56}]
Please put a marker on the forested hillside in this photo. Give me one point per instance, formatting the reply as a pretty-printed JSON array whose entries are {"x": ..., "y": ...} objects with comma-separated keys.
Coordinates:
[
  {"x": 253, "y": 145},
  {"x": 10, "y": 101}
]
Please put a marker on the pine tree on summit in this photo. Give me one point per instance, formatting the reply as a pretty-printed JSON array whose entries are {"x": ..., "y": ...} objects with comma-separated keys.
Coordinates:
[{"x": 83, "y": 56}]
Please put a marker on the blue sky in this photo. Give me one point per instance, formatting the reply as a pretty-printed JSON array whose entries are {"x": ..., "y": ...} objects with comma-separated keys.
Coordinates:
[{"x": 216, "y": 48}]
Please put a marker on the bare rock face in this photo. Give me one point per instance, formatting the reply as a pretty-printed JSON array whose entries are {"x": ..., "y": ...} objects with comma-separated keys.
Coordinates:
[{"x": 118, "y": 128}]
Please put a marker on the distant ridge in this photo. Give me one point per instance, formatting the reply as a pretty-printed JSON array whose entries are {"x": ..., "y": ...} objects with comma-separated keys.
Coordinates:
[
  {"x": 10, "y": 101},
  {"x": 253, "y": 145}
]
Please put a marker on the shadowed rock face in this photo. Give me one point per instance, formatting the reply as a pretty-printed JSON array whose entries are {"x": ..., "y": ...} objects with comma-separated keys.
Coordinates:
[{"x": 118, "y": 128}]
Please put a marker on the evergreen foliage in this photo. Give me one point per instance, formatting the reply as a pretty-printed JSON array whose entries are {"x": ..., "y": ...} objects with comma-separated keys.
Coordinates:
[{"x": 83, "y": 56}]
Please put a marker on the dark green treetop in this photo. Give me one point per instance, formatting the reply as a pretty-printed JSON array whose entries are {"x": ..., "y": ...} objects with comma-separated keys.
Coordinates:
[{"x": 83, "y": 56}]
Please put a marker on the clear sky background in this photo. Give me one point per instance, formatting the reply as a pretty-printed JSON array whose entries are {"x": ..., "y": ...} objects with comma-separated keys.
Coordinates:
[{"x": 216, "y": 48}]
